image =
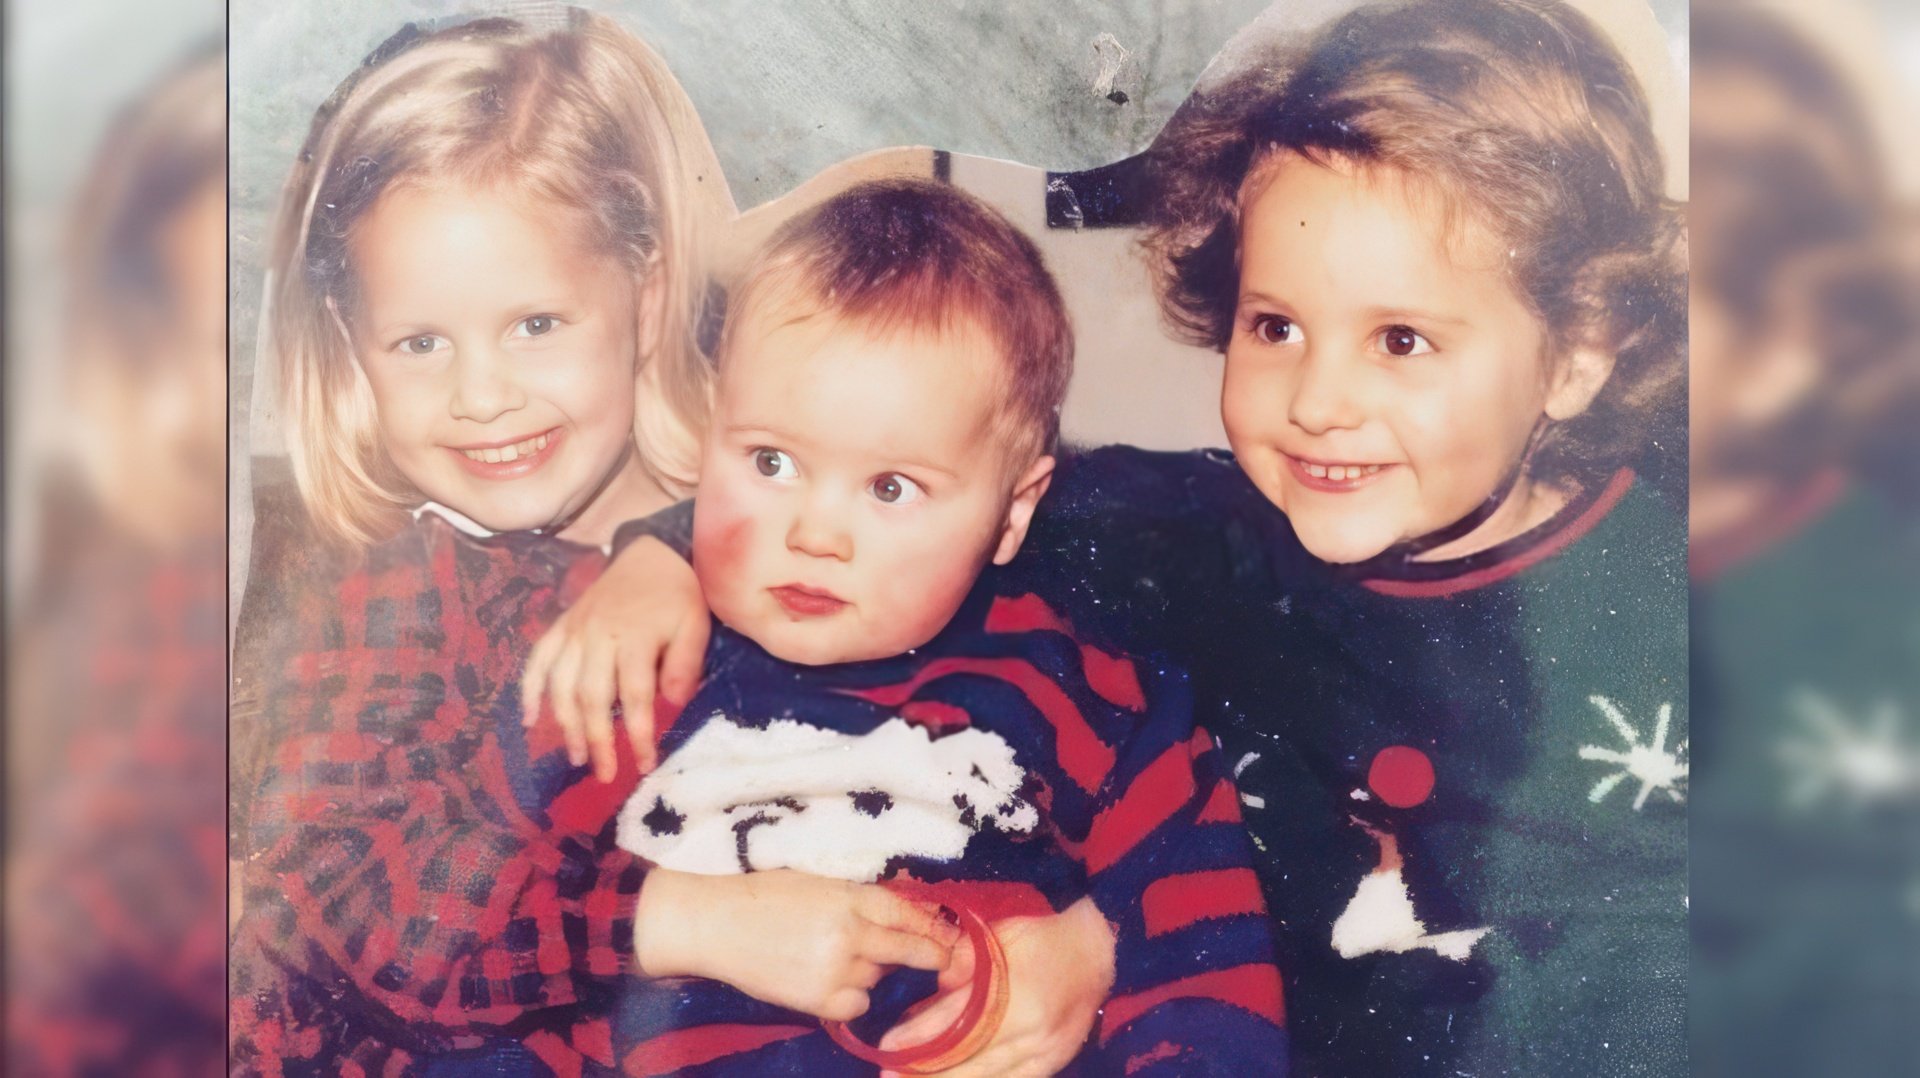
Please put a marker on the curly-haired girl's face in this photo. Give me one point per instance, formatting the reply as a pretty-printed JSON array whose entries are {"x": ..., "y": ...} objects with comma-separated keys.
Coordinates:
[{"x": 1384, "y": 377}]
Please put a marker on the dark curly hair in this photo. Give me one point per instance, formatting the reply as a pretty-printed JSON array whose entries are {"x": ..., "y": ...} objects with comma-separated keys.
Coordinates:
[{"x": 1519, "y": 111}]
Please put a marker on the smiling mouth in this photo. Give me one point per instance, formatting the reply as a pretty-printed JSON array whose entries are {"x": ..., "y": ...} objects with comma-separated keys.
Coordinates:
[
  {"x": 508, "y": 460},
  {"x": 804, "y": 602},
  {"x": 507, "y": 454},
  {"x": 1323, "y": 475}
]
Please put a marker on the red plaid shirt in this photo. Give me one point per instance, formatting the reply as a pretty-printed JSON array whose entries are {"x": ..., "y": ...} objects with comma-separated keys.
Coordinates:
[
  {"x": 399, "y": 902},
  {"x": 115, "y": 868}
]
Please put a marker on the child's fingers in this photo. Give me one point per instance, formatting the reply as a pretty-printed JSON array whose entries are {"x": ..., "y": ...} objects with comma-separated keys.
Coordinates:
[
  {"x": 685, "y": 661},
  {"x": 893, "y": 947},
  {"x": 959, "y": 968},
  {"x": 927, "y": 1024},
  {"x": 634, "y": 674},
  {"x": 844, "y": 1005},
  {"x": 596, "y": 707},
  {"x": 864, "y": 974},
  {"x": 533, "y": 682},
  {"x": 888, "y": 910},
  {"x": 566, "y": 703}
]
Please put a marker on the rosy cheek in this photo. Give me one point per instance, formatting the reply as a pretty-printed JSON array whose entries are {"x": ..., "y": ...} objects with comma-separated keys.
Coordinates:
[
  {"x": 925, "y": 596},
  {"x": 722, "y": 539}
]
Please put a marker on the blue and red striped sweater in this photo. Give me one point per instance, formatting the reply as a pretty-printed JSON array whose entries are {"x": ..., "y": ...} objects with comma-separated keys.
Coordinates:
[{"x": 1111, "y": 792}]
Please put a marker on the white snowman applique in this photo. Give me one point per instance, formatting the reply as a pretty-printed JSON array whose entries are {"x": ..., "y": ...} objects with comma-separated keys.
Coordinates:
[{"x": 739, "y": 799}]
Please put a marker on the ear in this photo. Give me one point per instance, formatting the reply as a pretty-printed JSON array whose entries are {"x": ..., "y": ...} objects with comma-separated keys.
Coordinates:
[
  {"x": 649, "y": 311},
  {"x": 1026, "y": 497},
  {"x": 1577, "y": 380}
]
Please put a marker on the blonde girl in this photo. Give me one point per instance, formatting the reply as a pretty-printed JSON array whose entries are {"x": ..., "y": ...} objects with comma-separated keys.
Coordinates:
[
  {"x": 582, "y": 137},
  {"x": 489, "y": 279}
]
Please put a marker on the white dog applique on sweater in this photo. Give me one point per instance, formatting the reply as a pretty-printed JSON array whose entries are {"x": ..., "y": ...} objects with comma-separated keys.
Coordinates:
[{"x": 738, "y": 798}]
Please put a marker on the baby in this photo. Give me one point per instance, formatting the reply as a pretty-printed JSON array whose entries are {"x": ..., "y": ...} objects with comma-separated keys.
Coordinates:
[{"x": 880, "y": 705}]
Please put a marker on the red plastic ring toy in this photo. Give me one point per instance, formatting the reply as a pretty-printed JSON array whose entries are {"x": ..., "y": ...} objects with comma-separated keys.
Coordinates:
[{"x": 978, "y": 1021}]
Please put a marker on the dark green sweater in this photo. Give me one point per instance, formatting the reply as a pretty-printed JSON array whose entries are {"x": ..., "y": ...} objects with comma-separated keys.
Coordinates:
[
  {"x": 1461, "y": 723},
  {"x": 1807, "y": 819}
]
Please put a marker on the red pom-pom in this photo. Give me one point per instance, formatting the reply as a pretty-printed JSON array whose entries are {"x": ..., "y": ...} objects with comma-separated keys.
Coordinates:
[{"x": 1401, "y": 775}]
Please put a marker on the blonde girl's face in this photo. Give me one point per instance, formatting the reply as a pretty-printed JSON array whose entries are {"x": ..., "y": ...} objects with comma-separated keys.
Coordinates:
[
  {"x": 502, "y": 358},
  {"x": 1383, "y": 378}
]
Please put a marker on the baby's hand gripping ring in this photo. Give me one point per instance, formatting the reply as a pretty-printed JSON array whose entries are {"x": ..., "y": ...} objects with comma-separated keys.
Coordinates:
[{"x": 978, "y": 1022}]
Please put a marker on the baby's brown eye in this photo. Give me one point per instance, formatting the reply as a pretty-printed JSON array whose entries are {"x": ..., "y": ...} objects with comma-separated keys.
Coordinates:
[
  {"x": 538, "y": 324},
  {"x": 772, "y": 463},
  {"x": 1403, "y": 341},
  {"x": 895, "y": 489},
  {"x": 419, "y": 346},
  {"x": 1275, "y": 329}
]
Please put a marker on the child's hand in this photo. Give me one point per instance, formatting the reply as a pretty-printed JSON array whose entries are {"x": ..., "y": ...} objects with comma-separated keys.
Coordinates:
[
  {"x": 642, "y": 624},
  {"x": 802, "y": 942},
  {"x": 1059, "y": 970}
]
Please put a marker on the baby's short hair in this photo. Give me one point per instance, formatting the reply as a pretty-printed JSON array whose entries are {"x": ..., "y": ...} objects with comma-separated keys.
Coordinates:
[{"x": 909, "y": 254}]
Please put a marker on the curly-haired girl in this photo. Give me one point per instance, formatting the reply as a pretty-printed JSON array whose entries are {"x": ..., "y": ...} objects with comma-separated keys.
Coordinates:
[{"x": 1436, "y": 251}]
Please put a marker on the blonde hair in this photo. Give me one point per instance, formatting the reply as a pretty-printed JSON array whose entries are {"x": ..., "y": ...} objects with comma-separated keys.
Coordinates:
[{"x": 585, "y": 116}]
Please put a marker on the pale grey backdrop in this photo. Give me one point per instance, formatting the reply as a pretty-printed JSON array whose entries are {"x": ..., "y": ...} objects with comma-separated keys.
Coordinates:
[{"x": 789, "y": 89}]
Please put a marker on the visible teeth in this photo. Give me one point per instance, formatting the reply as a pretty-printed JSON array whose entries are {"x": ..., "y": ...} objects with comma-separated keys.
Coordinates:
[
  {"x": 509, "y": 453},
  {"x": 1340, "y": 473}
]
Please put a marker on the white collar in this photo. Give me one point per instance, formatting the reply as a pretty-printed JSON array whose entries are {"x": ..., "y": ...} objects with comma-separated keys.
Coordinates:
[
  {"x": 460, "y": 521},
  {"x": 469, "y": 526}
]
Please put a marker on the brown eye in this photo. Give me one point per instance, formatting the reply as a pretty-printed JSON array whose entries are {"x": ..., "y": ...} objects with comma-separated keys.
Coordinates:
[
  {"x": 773, "y": 464},
  {"x": 1403, "y": 341},
  {"x": 538, "y": 325},
  {"x": 895, "y": 489},
  {"x": 1275, "y": 329},
  {"x": 421, "y": 345}
]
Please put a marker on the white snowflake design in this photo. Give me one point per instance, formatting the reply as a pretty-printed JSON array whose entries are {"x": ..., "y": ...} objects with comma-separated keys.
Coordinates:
[
  {"x": 1249, "y": 800},
  {"x": 1650, "y": 763},
  {"x": 1865, "y": 761}
]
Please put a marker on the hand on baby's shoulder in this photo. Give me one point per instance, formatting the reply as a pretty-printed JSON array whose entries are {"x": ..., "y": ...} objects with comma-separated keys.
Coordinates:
[{"x": 639, "y": 632}]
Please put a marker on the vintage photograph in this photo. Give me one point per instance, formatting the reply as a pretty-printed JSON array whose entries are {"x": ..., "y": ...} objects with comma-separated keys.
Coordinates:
[{"x": 1202, "y": 593}]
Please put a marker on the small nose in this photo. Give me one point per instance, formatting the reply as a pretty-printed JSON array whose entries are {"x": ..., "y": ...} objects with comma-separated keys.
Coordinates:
[
  {"x": 484, "y": 387},
  {"x": 1324, "y": 396},
  {"x": 819, "y": 530}
]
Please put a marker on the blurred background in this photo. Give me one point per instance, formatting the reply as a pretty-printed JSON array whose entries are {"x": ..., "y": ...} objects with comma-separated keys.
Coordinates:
[
  {"x": 1805, "y": 523},
  {"x": 123, "y": 405},
  {"x": 115, "y": 408}
]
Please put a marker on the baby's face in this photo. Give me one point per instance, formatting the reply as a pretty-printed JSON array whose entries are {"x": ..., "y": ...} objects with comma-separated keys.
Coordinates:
[
  {"x": 1383, "y": 378},
  {"x": 853, "y": 485}
]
